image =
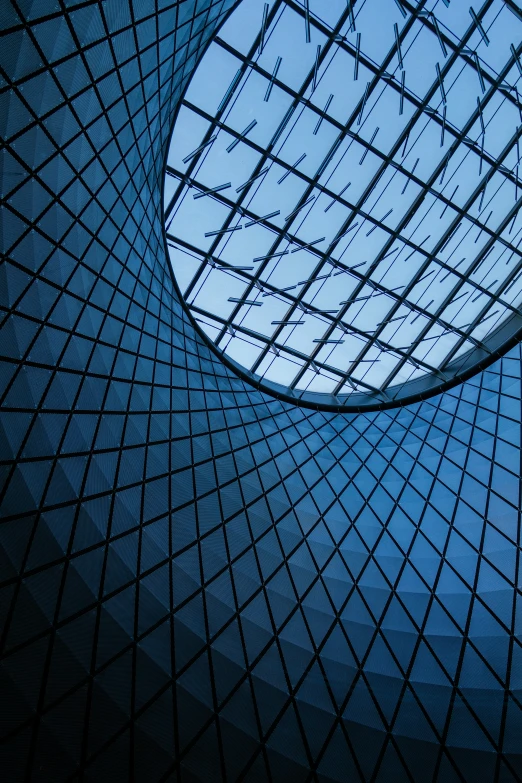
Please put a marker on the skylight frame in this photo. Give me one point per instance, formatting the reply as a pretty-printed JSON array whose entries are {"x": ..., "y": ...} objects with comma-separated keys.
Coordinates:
[{"x": 386, "y": 392}]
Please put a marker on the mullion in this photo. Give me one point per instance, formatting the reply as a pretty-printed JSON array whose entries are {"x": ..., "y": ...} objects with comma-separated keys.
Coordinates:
[
  {"x": 297, "y": 98},
  {"x": 279, "y": 346},
  {"x": 77, "y": 394},
  {"x": 394, "y": 233},
  {"x": 262, "y": 338},
  {"x": 324, "y": 189},
  {"x": 216, "y": 124},
  {"x": 439, "y": 196},
  {"x": 444, "y": 238},
  {"x": 405, "y": 134},
  {"x": 422, "y": 270},
  {"x": 266, "y": 154},
  {"x": 275, "y": 290},
  {"x": 214, "y": 121},
  {"x": 417, "y": 102},
  {"x": 382, "y": 289},
  {"x": 458, "y": 47},
  {"x": 399, "y": 301},
  {"x": 293, "y": 301},
  {"x": 494, "y": 236},
  {"x": 282, "y": 347},
  {"x": 280, "y": 234},
  {"x": 314, "y": 182},
  {"x": 377, "y": 177},
  {"x": 492, "y": 297},
  {"x": 490, "y": 160},
  {"x": 435, "y": 318},
  {"x": 32, "y": 225}
]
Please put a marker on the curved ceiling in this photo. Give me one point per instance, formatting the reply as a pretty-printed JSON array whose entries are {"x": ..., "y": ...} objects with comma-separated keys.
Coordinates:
[{"x": 197, "y": 580}]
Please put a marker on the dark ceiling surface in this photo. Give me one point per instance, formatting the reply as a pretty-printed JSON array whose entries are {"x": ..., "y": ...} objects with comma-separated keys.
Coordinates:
[{"x": 200, "y": 581}]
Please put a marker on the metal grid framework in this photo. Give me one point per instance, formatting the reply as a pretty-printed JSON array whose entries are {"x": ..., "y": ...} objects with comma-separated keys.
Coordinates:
[
  {"x": 200, "y": 582},
  {"x": 416, "y": 330}
]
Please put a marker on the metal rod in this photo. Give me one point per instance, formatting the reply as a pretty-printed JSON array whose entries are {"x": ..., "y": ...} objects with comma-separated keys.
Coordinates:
[
  {"x": 357, "y": 55},
  {"x": 354, "y": 225},
  {"x": 479, "y": 72},
  {"x": 516, "y": 58},
  {"x": 326, "y": 107},
  {"x": 271, "y": 81},
  {"x": 332, "y": 202},
  {"x": 199, "y": 149},
  {"x": 351, "y": 16},
  {"x": 264, "y": 217},
  {"x": 478, "y": 25},
  {"x": 309, "y": 244},
  {"x": 241, "y": 136},
  {"x": 298, "y": 209},
  {"x": 251, "y": 302},
  {"x": 222, "y": 231},
  {"x": 401, "y": 8},
  {"x": 271, "y": 255},
  {"x": 405, "y": 144},
  {"x": 391, "y": 320},
  {"x": 313, "y": 279},
  {"x": 367, "y": 148},
  {"x": 441, "y": 180},
  {"x": 441, "y": 83},
  {"x": 481, "y": 118},
  {"x": 229, "y": 92},
  {"x": 365, "y": 98},
  {"x": 213, "y": 190},
  {"x": 235, "y": 268},
  {"x": 447, "y": 205},
  {"x": 252, "y": 179},
  {"x": 263, "y": 28},
  {"x": 328, "y": 157},
  {"x": 316, "y": 67},
  {"x": 282, "y": 126},
  {"x": 377, "y": 225},
  {"x": 398, "y": 45},
  {"x": 401, "y": 99},
  {"x": 448, "y": 240},
  {"x": 439, "y": 36},
  {"x": 408, "y": 179}
]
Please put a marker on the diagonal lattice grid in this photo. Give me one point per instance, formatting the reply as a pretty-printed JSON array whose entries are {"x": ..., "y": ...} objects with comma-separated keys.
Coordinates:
[{"x": 198, "y": 581}]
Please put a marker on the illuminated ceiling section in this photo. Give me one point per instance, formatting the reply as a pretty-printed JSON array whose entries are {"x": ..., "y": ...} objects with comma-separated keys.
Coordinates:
[{"x": 342, "y": 191}]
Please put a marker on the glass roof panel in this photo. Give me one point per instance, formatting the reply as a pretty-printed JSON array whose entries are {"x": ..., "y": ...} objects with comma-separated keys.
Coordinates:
[{"x": 342, "y": 191}]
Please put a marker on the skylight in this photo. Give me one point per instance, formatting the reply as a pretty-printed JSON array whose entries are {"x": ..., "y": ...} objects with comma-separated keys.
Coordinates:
[{"x": 342, "y": 191}]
